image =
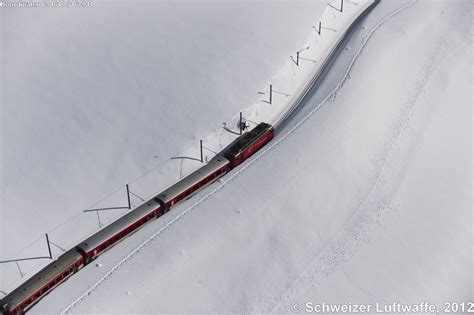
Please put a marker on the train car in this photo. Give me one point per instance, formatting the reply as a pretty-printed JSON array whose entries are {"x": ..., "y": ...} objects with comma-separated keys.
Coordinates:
[
  {"x": 249, "y": 143},
  {"x": 189, "y": 185},
  {"x": 30, "y": 292},
  {"x": 111, "y": 234}
]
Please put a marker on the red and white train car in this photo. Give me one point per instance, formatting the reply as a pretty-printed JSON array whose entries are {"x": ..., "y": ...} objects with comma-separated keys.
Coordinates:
[
  {"x": 30, "y": 292},
  {"x": 249, "y": 143}
]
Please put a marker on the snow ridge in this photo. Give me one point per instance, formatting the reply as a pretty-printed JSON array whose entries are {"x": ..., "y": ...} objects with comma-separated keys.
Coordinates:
[{"x": 331, "y": 96}]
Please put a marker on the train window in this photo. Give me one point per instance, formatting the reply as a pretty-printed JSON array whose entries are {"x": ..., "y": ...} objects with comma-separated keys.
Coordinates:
[{"x": 37, "y": 295}]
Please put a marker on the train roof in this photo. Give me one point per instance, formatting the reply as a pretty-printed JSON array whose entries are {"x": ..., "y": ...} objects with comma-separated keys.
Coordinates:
[
  {"x": 138, "y": 213},
  {"x": 40, "y": 279},
  {"x": 192, "y": 179},
  {"x": 242, "y": 142},
  {"x": 117, "y": 226}
]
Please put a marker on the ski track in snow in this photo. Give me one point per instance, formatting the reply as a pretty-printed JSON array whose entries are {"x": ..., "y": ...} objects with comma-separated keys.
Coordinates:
[
  {"x": 378, "y": 200},
  {"x": 331, "y": 96}
]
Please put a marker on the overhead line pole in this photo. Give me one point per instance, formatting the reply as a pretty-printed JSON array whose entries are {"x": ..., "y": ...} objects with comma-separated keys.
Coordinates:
[
  {"x": 271, "y": 92},
  {"x": 49, "y": 246},
  {"x": 240, "y": 123},
  {"x": 202, "y": 160},
  {"x": 128, "y": 197}
]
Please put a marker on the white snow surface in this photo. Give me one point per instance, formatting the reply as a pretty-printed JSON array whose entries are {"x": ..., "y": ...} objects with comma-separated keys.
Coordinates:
[
  {"x": 295, "y": 77},
  {"x": 110, "y": 102},
  {"x": 365, "y": 197}
]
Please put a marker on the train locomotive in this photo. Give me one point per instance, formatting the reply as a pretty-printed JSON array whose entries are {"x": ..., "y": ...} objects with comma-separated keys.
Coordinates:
[{"x": 30, "y": 292}]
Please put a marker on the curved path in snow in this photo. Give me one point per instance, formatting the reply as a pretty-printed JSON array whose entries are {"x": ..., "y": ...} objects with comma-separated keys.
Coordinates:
[{"x": 239, "y": 171}]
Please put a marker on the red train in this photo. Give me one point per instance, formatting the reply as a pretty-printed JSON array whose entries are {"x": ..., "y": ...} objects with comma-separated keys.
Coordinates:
[{"x": 30, "y": 292}]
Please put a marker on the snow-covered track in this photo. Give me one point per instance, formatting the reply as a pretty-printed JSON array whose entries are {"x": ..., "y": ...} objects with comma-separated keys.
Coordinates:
[
  {"x": 320, "y": 72},
  {"x": 240, "y": 170}
]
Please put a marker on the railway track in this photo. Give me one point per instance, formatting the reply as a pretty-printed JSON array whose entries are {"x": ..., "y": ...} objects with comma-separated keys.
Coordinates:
[{"x": 29, "y": 293}]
